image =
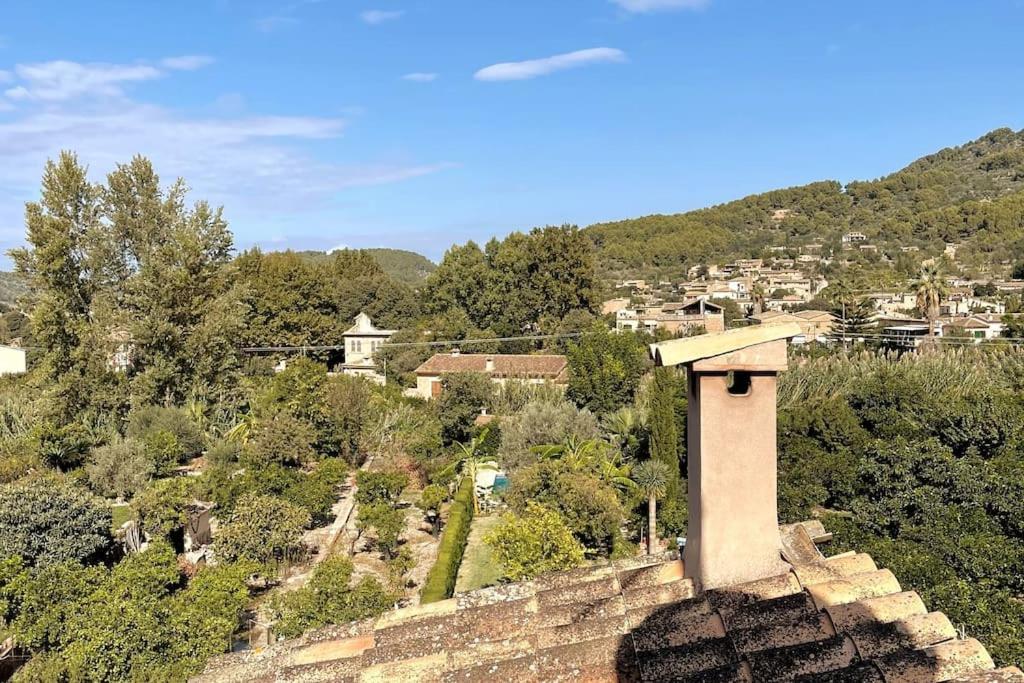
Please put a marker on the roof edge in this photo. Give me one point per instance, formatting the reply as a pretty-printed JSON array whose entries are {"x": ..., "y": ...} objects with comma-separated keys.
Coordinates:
[{"x": 690, "y": 349}]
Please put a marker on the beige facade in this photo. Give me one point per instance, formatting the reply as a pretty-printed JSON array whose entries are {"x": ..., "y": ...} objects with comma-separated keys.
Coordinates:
[{"x": 498, "y": 367}]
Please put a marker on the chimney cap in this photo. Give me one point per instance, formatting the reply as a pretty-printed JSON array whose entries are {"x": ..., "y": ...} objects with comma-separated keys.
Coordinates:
[{"x": 690, "y": 349}]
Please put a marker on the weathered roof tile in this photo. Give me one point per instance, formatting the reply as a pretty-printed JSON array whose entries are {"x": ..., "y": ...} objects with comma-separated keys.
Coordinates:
[{"x": 837, "y": 620}]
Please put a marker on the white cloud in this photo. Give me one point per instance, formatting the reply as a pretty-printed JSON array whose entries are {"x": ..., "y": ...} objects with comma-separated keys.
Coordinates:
[
  {"x": 271, "y": 24},
  {"x": 420, "y": 77},
  {"x": 374, "y": 17},
  {"x": 338, "y": 247},
  {"x": 257, "y": 166},
  {"x": 518, "y": 71},
  {"x": 644, "y": 6},
  {"x": 186, "y": 62},
  {"x": 63, "y": 80}
]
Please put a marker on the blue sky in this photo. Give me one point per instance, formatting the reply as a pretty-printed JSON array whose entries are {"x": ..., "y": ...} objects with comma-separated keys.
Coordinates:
[{"x": 419, "y": 123}]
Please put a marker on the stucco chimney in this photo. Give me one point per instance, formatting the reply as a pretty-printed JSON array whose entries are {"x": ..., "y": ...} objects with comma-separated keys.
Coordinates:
[
  {"x": 456, "y": 351},
  {"x": 489, "y": 365},
  {"x": 733, "y": 533}
]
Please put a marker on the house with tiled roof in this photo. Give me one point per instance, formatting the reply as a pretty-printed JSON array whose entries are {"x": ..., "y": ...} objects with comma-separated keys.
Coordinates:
[
  {"x": 749, "y": 601},
  {"x": 498, "y": 367}
]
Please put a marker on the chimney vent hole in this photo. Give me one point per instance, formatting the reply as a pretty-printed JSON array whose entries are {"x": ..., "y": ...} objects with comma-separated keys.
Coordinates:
[{"x": 738, "y": 383}]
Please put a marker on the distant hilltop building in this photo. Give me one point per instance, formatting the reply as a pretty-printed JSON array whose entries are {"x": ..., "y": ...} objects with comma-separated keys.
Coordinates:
[
  {"x": 362, "y": 341},
  {"x": 499, "y": 367}
]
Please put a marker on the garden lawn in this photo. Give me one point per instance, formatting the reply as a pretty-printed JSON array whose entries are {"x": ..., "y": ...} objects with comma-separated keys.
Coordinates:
[{"x": 479, "y": 568}]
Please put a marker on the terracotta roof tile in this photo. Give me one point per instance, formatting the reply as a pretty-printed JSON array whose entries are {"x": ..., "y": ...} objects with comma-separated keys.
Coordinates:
[
  {"x": 838, "y": 620},
  {"x": 504, "y": 365}
]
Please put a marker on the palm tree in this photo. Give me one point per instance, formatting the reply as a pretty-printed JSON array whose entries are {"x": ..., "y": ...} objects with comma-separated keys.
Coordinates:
[
  {"x": 758, "y": 296},
  {"x": 470, "y": 461},
  {"x": 625, "y": 428},
  {"x": 651, "y": 476},
  {"x": 595, "y": 456},
  {"x": 930, "y": 288}
]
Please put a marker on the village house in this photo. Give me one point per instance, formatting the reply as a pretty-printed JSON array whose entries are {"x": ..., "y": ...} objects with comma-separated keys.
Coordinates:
[
  {"x": 674, "y": 318},
  {"x": 362, "y": 341},
  {"x": 960, "y": 303},
  {"x": 614, "y": 305},
  {"x": 498, "y": 367},
  {"x": 854, "y": 237},
  {"x": 814, "y": 325}
]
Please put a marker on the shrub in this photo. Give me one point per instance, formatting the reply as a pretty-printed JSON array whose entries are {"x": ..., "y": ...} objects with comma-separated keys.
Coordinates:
[
  {"x": 281, "y": 438},
  {"x": 539, "y": 541},
  {"x": 143, "y": 422},
  {"x": 385, "y": 485},
  {"x": 164, "y": 451},
  {"x": 223, "y": 452},
  {"x": 387, "y": 523},
  {"x": 63, "y": 447},
  {"x": 540, "y": 423},
  {"x": 46, "y": 519},
  {"x": 317, "y": 491},
  {"x": 328, "y": 598},
  {"x": 262, "y": 528},
  {"x": 440, "y": 582},
  {"x": 162, "y": 507},
  {"x": 120, "y": 469}
]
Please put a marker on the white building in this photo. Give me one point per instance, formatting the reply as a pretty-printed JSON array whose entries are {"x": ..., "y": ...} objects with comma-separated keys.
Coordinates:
[{"x": 362, "y": 341}]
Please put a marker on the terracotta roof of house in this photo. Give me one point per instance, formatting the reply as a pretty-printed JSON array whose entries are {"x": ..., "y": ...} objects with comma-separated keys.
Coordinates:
[
  {"x": 521, "y": 366},
  {"x": 839, "y": 619}
]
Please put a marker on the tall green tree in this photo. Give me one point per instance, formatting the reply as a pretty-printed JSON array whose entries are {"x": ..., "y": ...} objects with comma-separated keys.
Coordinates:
[
  {"x": 605, "y": 369},
  {"x": 664, "y": 434},
  {"x": 59, "y": 265}
]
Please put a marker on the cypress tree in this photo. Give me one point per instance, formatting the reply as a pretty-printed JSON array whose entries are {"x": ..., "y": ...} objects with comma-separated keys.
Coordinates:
[{"x": 664, "y": 441}]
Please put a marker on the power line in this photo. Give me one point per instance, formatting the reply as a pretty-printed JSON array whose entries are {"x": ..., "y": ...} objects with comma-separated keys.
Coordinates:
[{"x": 448, "y": 342}]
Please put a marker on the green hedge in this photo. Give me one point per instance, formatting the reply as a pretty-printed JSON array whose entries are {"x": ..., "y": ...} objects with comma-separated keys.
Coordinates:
[{"x": 440, "y": 583}]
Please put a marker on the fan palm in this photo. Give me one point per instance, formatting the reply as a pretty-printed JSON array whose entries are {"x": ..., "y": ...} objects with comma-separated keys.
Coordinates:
[
  {"x": 930, "y": 288},
  {"x": 651, "y": 477}
]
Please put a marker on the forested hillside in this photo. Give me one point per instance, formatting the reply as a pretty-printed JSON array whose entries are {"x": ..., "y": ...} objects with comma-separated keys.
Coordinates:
[
  {"x": 406, "y": 267},
  {"x": 972, "y": 195}
]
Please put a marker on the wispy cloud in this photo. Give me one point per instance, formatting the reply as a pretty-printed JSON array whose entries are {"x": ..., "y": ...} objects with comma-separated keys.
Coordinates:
[
  {"x": 532, "y": 68},
  {"x": 374, "y": 17},
  {"x": 63, "y": 80},
  {"x": 284, "y": 16},
  {"x": 420, "y": 77},
  {"x": 186, "y": 62},
  {"x": 257, "y": 166},
  {"x": 644, "y": 6}
]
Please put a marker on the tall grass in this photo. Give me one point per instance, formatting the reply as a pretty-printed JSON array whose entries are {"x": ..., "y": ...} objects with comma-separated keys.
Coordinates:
[{"x": 939, "y": 371}]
